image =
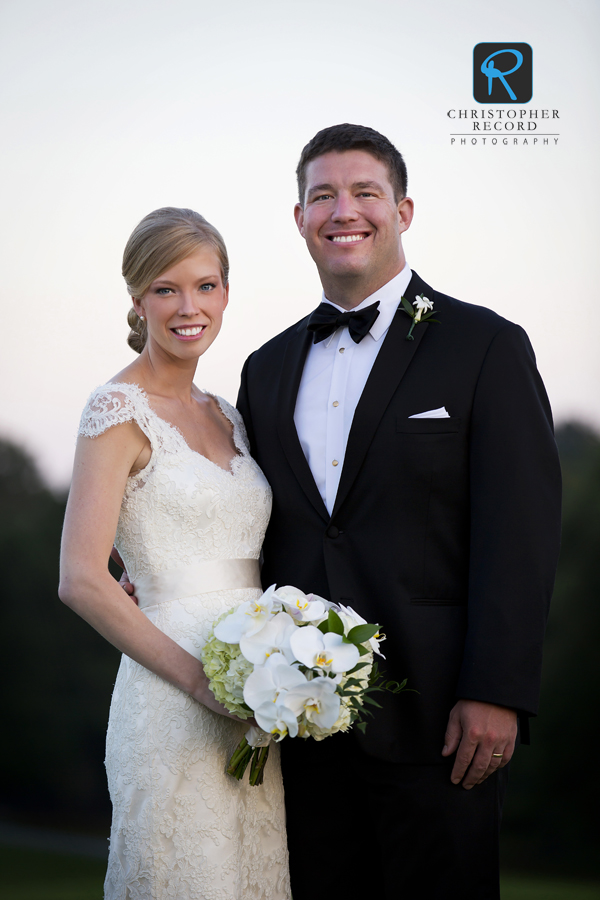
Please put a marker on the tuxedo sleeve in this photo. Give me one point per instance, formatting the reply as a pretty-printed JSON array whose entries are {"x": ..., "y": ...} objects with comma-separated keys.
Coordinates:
[{"x": 515, "y": 492}]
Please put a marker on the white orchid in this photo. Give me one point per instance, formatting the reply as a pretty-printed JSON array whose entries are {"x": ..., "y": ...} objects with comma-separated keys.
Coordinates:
[
  {"x": 358, "y": 619},
  {"x": 303, "y": 607},
  {"x": 278, "y": 719},
  {"x": 265, "y": 692},
  {"x": 315, "y": 699},
  {"x": 266, "y": 683},
  {"x": 248, "y": 618},
  {"x": 324, "y": 651},
  {"x": 423, "y": 305},
  {"x": 273, "y": 637},
  {"x": 342, "y": 723}
]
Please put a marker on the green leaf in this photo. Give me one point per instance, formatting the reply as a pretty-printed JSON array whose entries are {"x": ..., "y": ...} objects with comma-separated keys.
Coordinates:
[
  {"x": 334, "y": 622},
  {"x": 393, "y": 687},
  {"x": 323, "y": 627},
  {"x": 372, "y": 702},
  {"x": 361, "y": 633},
  {"x": 437, "y": 321},
  {"x": 407, "y": 306},
  {"x": 361, "y": 650},
  {"x": 357, "y": 667},
  {"x": 362, "y": 726}
]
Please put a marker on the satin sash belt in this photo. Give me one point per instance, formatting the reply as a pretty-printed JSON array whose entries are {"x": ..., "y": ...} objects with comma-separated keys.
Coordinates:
[{"x": 201, "y": 578}]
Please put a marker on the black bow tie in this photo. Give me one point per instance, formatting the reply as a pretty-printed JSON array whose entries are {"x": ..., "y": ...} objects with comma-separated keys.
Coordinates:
[{"x": 326, "y": 319}]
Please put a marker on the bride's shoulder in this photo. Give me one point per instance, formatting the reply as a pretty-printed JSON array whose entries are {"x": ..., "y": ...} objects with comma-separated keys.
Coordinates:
[{"x": 113, "y": 403}]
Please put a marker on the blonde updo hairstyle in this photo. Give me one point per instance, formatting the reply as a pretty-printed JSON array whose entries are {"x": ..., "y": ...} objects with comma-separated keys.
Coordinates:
[{"x": 161, "y": 240}]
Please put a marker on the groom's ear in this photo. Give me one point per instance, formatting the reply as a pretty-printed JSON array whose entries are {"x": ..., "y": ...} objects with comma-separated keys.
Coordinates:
[
  {"x": 299, "y": 217},
  {"x": 406, "y": 209}
]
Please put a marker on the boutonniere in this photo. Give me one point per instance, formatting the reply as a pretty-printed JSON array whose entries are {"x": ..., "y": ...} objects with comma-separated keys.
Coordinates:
[{"x": 423, "y": 305}]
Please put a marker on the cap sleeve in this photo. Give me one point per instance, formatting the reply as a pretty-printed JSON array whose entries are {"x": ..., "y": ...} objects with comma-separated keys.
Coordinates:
[{"x": 110, "y": 405}]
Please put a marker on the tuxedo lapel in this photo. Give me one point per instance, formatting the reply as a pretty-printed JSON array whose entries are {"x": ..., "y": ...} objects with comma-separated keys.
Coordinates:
[
  {"x": 291, "y": 373},
  {"x": 388, "y": 370}
]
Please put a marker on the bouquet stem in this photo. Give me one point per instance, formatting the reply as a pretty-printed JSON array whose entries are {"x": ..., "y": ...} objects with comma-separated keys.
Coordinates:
[
  {"x": 243, "y": 755},
  {"x": 257, "y": 770}
]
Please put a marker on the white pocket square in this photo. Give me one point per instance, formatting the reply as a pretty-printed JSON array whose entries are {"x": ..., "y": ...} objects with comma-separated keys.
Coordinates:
[{"x": 440, "y": 413}]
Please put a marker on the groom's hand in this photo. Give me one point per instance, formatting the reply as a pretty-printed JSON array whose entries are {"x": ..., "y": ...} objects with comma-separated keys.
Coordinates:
[
  {"x": 124, "y": 579},
  {"x": 127, "y": 586},
  {"x": 484, "y": 736}
]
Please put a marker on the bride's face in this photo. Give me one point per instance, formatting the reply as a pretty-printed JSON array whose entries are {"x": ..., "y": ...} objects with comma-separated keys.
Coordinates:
[{"x": 184, "y": 306}]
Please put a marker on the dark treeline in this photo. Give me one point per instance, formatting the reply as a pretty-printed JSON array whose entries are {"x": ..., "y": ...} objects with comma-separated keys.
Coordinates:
[
  {"x": 57, "y": 677},
  {"x": 57, "y": 672},
  {"x": 551, "y": 817}
]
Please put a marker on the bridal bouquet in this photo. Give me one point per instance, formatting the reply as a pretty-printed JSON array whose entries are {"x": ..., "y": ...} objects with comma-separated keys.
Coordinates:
[{"x": 300, "y": 665}]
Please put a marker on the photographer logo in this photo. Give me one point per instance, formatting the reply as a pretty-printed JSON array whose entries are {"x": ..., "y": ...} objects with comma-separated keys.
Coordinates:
[{"x": 502, "y": 73}]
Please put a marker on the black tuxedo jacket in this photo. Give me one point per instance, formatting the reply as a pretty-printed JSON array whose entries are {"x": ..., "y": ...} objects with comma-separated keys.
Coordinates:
[{"x": 445, "y": 531}]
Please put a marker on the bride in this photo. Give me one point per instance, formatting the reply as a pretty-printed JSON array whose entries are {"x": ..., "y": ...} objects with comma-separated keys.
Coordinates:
[{"x": 162, "y": 470}]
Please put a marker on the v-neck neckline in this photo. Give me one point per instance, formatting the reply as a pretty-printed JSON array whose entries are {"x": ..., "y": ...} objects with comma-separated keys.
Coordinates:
[{"x": 239, "y": 455}]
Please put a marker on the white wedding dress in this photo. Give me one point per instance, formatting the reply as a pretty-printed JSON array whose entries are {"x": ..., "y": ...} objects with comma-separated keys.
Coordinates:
[{"x": 189, "y": 534}]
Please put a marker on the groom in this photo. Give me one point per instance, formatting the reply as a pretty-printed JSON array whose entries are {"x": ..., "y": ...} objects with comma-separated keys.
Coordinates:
[{"x": 417, "y": 481}]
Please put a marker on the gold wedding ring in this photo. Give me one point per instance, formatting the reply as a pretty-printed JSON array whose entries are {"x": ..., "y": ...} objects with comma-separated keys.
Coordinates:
[{"x": 499, "y": 755}]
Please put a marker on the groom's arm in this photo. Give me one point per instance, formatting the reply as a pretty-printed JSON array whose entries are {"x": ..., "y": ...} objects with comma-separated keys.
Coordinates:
[
  {"x": 515, "y": 532},
  {"x": 515, "y": 496}
]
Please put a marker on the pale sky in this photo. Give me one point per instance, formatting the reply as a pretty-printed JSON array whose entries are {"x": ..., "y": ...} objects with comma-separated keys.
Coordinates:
[{"x": 112, "y": 109}]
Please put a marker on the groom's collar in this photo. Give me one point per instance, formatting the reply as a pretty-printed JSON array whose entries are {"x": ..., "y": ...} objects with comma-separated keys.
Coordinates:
[{"x": 388, "y": 297}]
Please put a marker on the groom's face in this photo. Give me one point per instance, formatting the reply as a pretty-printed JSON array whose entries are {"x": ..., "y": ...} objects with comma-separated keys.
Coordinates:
[{"x": 351, "y": 220}]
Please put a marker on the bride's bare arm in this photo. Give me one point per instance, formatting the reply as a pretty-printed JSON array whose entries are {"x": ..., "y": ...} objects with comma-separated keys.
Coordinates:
[{"x": 102, "y": 465}]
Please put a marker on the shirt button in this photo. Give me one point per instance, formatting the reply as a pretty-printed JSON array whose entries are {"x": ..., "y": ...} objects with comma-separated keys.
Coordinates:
[
  {"x": 336, "y": 402},
  {"x": 342, "y": 349},
  {"x": 335, "y": 463}
]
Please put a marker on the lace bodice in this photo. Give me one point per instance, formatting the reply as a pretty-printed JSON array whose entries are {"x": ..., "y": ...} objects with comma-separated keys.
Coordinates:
[{"x": 181, "y": 508}]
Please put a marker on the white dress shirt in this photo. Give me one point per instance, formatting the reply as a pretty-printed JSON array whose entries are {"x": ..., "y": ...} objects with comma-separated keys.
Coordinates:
[{"x": 334, "y": 376}]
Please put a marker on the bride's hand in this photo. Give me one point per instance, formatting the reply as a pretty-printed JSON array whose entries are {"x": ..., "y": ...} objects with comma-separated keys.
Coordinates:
[{"x": 203, "y": 694}]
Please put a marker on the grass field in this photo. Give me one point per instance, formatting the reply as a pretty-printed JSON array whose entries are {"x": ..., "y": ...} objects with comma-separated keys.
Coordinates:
[
  {"x": 33, "y": 875},
  {"x": 529, "y": 888}
]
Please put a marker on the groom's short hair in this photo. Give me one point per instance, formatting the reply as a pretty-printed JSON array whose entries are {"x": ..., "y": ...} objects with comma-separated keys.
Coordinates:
[{"x": 340, "y": 138}]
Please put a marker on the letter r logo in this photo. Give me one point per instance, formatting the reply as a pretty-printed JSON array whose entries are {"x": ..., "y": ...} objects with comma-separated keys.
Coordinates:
[{"x": 502, "y": 73}]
